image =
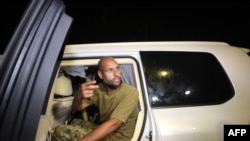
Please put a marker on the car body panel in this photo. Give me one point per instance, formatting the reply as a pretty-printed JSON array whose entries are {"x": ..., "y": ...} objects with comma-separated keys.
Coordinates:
[{"x": 192, "y": 123}]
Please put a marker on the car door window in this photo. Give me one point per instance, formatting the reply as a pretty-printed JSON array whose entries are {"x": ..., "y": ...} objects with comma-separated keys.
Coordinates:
[{"x": 185, "y": 79}]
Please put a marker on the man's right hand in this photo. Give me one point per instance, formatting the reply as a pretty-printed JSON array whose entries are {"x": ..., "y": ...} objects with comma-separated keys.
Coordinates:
[{"x": 86, "y": 90}]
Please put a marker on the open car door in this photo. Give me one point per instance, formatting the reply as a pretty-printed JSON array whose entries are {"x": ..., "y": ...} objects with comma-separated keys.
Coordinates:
[{"x": 28, "y": 67}]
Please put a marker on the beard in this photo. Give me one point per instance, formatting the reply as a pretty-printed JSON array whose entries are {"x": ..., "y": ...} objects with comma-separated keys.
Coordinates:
[{"x": 111, "y": 85}]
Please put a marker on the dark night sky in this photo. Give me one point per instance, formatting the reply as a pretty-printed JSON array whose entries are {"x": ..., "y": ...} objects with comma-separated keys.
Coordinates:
[{"x": 147, "y": 22}]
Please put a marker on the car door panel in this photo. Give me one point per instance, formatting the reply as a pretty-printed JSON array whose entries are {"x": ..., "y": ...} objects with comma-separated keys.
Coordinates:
[{"x": 29, "y": 62}]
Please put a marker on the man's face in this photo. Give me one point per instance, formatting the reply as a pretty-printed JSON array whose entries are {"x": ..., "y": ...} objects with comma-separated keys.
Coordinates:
[{"x": 111, "y": 74}]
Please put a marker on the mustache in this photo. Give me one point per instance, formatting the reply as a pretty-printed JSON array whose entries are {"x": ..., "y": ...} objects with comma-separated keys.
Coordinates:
[{"x": 117, "y": 77}]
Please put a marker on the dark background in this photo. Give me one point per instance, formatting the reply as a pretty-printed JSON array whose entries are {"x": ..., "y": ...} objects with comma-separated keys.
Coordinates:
[{"x": 144, "y": 21}]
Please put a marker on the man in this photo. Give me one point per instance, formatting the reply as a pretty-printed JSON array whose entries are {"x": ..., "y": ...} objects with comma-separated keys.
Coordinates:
[{"x": 117, "y": 102}]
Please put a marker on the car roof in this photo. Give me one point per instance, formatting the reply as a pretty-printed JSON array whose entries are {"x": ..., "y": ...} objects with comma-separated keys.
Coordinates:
[{"x": 140, "y": 46}]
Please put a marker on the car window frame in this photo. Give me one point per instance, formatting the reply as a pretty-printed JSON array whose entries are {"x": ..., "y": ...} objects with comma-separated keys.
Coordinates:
[{"x": 27, "y": 66}]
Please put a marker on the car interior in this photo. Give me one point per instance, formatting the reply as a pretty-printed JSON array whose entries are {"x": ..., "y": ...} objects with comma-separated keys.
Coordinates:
[{"x": 70, "y": 76}]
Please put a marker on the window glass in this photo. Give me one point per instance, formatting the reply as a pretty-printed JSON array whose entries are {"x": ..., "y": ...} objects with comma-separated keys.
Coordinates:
[{"x": 185, "y": 79}]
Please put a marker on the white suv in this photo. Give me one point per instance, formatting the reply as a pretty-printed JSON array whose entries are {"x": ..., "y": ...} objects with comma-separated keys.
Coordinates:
[{"x": 188, "y": 90}]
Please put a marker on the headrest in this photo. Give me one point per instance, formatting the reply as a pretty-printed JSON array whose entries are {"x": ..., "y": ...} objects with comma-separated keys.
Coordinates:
[{"x": 63, "y": 86}]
